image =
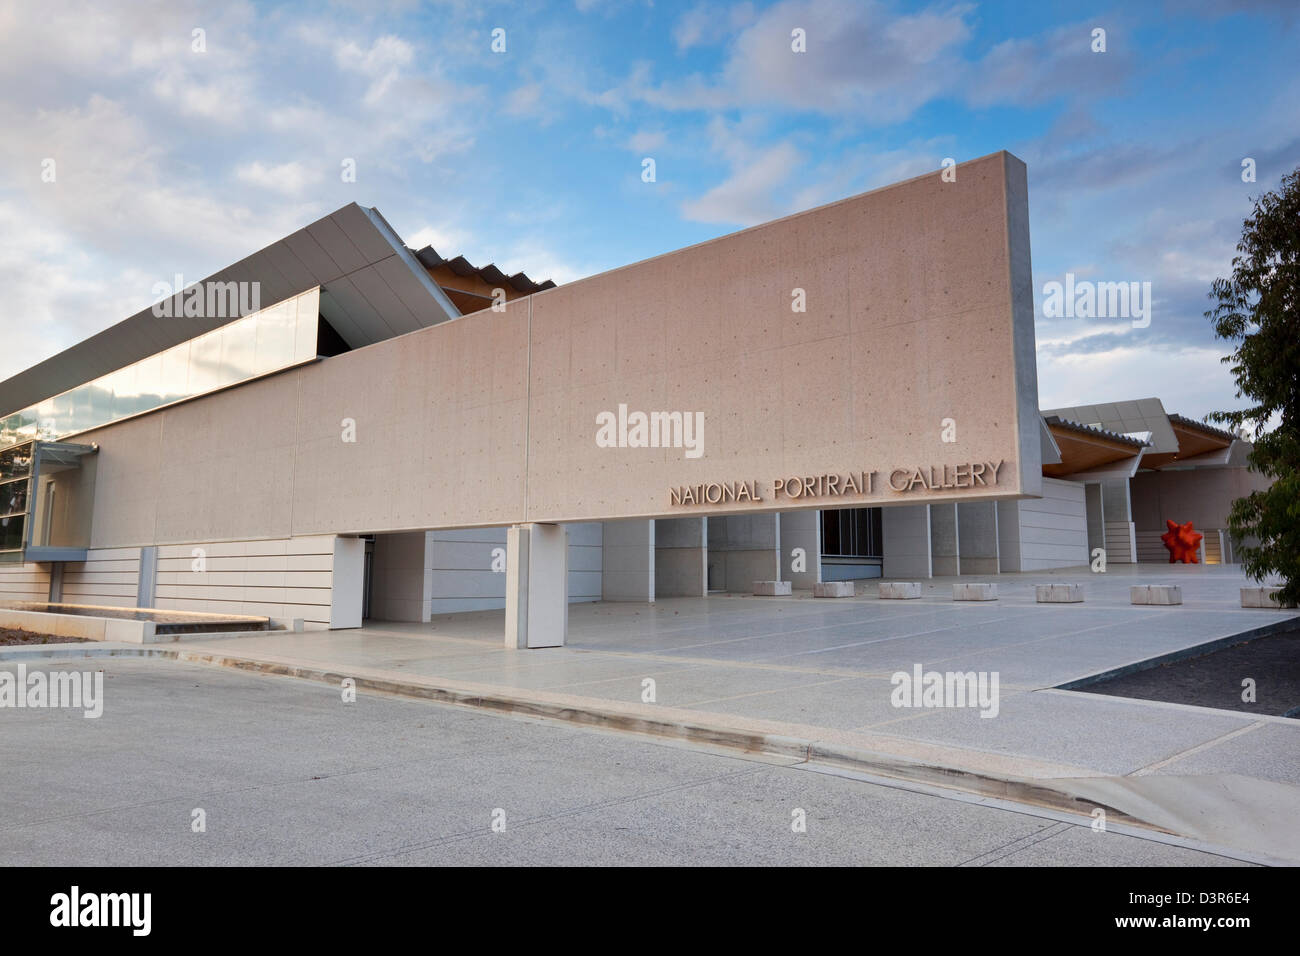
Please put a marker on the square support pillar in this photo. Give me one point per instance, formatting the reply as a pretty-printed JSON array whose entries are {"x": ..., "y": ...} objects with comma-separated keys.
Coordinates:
[
  {"x": 977, "y": 537},
  {"x": 906, "y": 530},
  {"x": 944, "y": 543},
  {"x": 537, "y": 586},
  {"x": 347, "y": 591},
  {"x": 801, "y": 547}
]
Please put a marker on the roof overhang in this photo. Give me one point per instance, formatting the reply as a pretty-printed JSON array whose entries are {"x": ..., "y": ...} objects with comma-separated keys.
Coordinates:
[
  {"x": 1090, "y": 450},
  {"x": 1198, "y": 444},
  {"x": 372, "y": 288}
]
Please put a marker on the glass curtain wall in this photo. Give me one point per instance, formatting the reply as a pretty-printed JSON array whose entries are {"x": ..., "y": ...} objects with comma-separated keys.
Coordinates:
[{"x": 275, "y": 338}]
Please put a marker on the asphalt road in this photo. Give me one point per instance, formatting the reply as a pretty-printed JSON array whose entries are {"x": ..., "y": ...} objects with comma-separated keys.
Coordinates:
[{"x": 286, "y": 773}]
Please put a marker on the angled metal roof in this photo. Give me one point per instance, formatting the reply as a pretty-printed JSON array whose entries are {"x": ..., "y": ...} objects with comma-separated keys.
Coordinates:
[
  {"x": 1126, "y": 417},
  {"x": 372, "y": 288},
  {"x": 1095, "y": 430},
  {"x": 488, "y": 273},
  {"x": 1201, "y": 427}
]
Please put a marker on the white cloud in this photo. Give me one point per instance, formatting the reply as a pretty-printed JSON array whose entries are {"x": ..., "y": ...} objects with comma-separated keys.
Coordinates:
[
  {"x": 1190, "y": 381},
  {"x": 645, "y": 141},
  {"x": 748, "y": 195},
  {"x": 449, "y": 242},
  {"x": 524, "y": 100},
  {"x": 861, "y": 59},
  {"x": 288, "y": 178}
]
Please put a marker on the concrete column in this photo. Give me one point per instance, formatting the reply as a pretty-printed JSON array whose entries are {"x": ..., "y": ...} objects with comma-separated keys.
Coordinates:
[
  {"x": 628, "y": 561},
  {"x": 537, "y": 586},
  {"x": 906, "y": 533},
  {"x": 148, "y": 577},
  {"x": 944, "y": 540},
  {"x": 801, "y": 530},
  {"x": 681, "y": 557},
  {"x": 1095, "y": 510},
  {"x": 1008, "y": 535},
  {"x": 977, "y": 537},
  {"x": 743, "y": 549},
  {"x": 348, "y": 582}
]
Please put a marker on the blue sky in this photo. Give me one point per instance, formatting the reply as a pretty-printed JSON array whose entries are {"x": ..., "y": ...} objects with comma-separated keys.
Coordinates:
[{"x": 174, "y": 161}]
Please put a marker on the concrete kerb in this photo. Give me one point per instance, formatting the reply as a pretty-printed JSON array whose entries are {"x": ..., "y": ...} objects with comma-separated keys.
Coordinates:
[
  {"x": 623, "y": 718},
  {"x": 616, "y": 717},
  {"x": 1199, "y": 650}
]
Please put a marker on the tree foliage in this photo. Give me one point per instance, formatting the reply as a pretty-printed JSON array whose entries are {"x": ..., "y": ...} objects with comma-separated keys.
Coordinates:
[{"x": 1258, "y": 308}]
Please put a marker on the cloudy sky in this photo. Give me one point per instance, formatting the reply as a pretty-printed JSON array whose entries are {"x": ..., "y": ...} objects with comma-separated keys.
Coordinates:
[{"x": 171, "y": 160}]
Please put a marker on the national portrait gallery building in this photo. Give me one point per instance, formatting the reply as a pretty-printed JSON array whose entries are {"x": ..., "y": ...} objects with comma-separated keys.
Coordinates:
[{"x": 338, "y": 427}]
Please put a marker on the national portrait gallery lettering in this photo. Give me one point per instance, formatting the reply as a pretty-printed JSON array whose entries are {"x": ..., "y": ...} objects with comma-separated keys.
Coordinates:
[{"x": 971, "y": 474}]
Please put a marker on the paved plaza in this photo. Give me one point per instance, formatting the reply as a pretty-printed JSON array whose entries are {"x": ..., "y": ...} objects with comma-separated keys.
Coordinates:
[{"x": 820, "y": 670}]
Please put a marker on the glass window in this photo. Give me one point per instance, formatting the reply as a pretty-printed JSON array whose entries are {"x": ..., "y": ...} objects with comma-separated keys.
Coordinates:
[
  {"x": 266, "y": 341},
  {"x": 122, "y": 385},
  {"x": 148, "y": 378},
  {"x": 205, "y": 363},
  {"x": 275, "y": 336},
  {"x": 13, "y": 497},
  {"x": 174, "y": 381},
  {"x": 11, "y": 532},
  {"x": 307, "y": 321},
  {"x": 16, "y": 462},
  {"x": 852, "y": 533},
  {"x": 239, "y": 350}
]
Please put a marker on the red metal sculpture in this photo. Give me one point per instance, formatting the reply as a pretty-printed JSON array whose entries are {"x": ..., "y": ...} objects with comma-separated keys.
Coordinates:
[{"x": 1183, "y": 542}]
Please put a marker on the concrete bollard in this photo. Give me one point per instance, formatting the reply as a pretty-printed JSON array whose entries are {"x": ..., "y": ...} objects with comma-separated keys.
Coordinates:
[
  {"x": 900, "y": 590},
  {"x": 833, "y": 589},
  {"x": 1058, "y": 593},
  {"x": 772, "y": 588},
  {"x": 975, "y": 591},
  {"x": 1162, "y": 594},
  {"x": 1260, "y": 597}
]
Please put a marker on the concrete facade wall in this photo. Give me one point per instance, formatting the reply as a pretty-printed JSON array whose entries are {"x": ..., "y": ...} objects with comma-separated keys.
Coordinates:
[
  {"x": 461, "y": 575},
  {"x": 1203, "y": 497},
  {"x": 25, "y": 582},
  {"x": 462, "y": 579},
  {"x": 1053, "y": 530},
  {"x": 585, "y": 561},
  {"x": 680, "y": 568},
  {"x": 284, "y": 578},
  {"x": 401, "y": 577},
  {"x": 486, "y": 419},
  {"x": 628, "y": 561},
  {"x": 743, "y": 549},
  {"x": 906, "y": 534},
  {"x": 109, "y": 576}
]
